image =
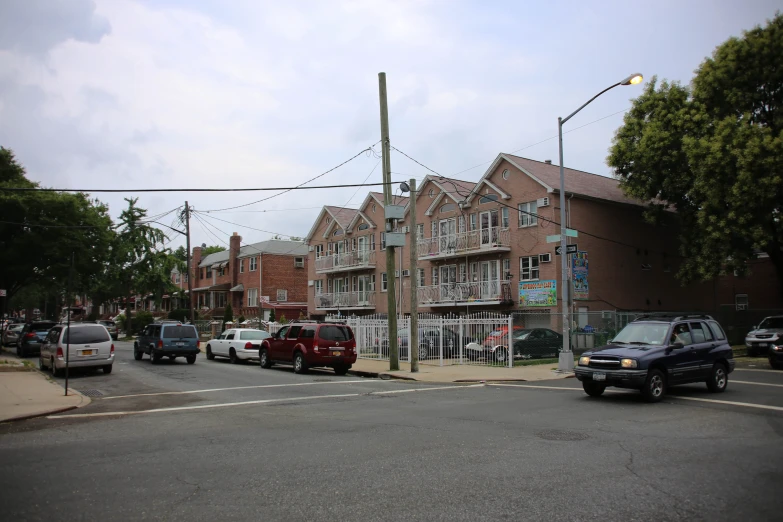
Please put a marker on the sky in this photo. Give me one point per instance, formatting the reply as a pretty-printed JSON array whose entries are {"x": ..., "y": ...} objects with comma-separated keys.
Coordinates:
[{"x": 135, "y": 94}]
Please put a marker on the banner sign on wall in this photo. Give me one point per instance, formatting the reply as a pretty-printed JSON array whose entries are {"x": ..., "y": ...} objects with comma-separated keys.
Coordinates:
[
  {"x": 579, "y": 271},
  {"x": 538, "y": 293}
]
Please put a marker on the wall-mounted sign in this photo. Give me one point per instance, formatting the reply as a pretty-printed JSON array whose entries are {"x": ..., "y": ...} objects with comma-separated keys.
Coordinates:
[{"x": 538, "y": 293}]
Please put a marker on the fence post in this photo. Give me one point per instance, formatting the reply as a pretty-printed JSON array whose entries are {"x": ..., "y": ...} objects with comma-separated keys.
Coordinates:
[
  {"x": 510, "y": 346},
  {"x": 440, "y": 338},
  {"x": 461, "y": 340}
]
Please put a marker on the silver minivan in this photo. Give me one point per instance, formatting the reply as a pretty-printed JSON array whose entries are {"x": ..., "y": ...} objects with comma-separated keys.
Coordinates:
[{"x": 90, "y": 346}]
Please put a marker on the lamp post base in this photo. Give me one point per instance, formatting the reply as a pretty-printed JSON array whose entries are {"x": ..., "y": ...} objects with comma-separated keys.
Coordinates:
[{"x": 566, "y": 362}]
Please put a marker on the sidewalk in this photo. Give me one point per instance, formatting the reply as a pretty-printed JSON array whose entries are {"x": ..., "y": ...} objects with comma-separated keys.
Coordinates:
[
  {"x": 458, "y": 373},
  {"x": 26, "y": 392}
]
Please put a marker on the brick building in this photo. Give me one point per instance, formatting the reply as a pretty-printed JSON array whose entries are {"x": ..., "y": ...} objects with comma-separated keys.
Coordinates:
[
  {"x": 255, "y": 278},
  {"x": 483, "y": 246}
]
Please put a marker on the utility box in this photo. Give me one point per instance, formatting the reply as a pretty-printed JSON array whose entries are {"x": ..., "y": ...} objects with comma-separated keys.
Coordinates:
[
  {"x": 395, "y": 239},
  {"x": 394, "y": 212}
]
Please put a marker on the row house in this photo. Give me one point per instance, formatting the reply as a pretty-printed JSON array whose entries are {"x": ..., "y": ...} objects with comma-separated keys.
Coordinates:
[
  {"x": 483, "y": 246},
  {"x": 255, "y": 279}
]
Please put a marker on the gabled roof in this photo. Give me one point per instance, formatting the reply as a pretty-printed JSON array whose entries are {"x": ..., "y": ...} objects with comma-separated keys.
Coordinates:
[
  {"x": 270, "y": 246},
  {"x": 217, "y": 257},
  {"x": 340, "y": 215},
  {"x": 454, "y": 188}
]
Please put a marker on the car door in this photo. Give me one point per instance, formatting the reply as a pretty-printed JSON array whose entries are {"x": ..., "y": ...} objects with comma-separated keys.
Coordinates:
[
  {"x": 276, "y": 344},
  {"x": 703, "y": 343},
  {"x": 287, "y": 348},
  {"x": 682, "y": 359},
  {"x": 228, "y": 342},
  {"x": 49, "y": 347}
]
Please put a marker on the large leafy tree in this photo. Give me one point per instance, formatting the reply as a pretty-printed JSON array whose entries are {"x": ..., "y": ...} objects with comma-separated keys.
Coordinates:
[
  {"x": 42, "y": 232},
  {"x": 713, "y": 152},
  {"x": 211, "y": 250}
]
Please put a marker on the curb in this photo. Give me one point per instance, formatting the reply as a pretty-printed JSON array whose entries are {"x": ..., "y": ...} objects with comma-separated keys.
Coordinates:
[
  {"x": 41, "y": 414},
  {"x": 377, "y": 375}
]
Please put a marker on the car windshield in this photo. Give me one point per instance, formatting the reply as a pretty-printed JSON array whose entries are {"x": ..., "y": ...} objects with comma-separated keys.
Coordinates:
[
  {"x": 254, "y": 335},
  {"x": 646, "y": 333},
  {"x": 179, "y": 332},
  {"x": 15, "y": 327},
  {"x": 521, "y": 335},
  {"x": 86, "y": 334},
  {"x": 771, "y": 322}
]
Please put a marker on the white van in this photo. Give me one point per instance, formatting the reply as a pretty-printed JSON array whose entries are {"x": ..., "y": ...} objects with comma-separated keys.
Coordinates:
[{"x": 90, "y": 346}]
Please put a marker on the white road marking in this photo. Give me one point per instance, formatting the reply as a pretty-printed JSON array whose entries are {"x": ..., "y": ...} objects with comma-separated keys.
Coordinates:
[
  {"x": 236, "y": 388},
  {"x": 408, "y": 390},
  {"x": 730, "y": 403},
  {"x": 755, "y": 383}
]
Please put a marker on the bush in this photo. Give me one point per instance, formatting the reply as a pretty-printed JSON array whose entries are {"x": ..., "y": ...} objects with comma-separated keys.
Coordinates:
[
  {"x": 272, "y": 316},
  {"x": 140, "y": 320},
  {"x": 182, "y": 315},
  {"x": 283, "y": 320},
  {"x": 241, "y": 319}
]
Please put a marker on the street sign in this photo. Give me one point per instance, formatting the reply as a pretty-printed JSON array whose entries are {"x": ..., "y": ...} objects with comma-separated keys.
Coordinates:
[
  {"x": 572, "y": 233},
  {"x": 553, "y": 239},
  {"x": 570, "y": 249}
]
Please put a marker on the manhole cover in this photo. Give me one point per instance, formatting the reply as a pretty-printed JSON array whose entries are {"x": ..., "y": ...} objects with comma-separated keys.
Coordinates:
[
  {"x": 91, "y": 393},
  {"x": 562, "y": 435}
]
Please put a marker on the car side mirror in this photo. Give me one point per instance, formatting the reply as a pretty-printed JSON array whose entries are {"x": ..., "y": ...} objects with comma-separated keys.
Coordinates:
[{"x": 677, "y": 345}]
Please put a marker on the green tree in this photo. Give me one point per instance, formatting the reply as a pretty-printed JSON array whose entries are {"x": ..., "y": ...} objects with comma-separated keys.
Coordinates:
[
  {"x": 272, "y": 315},
  {"x": 283, "y": 320},
  {"x": 714, "y": 153},
  {"x": 211, "y": 250}
]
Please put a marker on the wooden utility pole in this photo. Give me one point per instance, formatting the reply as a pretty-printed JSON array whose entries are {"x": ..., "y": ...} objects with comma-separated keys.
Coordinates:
[
  {"x": 394, "y": 358},
  {"x": 413, "y": 339},
  {"x": 189, "y": 274}
]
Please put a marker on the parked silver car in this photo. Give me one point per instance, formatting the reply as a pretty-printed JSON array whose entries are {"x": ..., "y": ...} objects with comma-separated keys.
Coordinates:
[
  {"x": 763, "y": 336},
  {"x": 90, "y": 346},
  {"x": 11, "y": 333}
]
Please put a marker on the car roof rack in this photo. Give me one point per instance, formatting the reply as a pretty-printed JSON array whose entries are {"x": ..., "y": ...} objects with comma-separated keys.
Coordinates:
[{"x": 672, "y": 316}]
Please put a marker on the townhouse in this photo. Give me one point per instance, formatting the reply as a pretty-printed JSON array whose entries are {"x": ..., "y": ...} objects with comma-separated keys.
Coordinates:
[
  {"x": 255, "y": 279},
  {"x": 483, "y": 246}
]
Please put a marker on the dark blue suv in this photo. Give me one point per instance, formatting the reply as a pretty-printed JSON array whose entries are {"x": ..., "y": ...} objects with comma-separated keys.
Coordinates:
[{"x": 657, "y": 351}]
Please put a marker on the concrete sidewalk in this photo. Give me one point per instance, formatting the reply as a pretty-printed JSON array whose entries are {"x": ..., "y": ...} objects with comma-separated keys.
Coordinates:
[
  {"x": 26, "y": 392},
  {"x": 458, "y": 373}
]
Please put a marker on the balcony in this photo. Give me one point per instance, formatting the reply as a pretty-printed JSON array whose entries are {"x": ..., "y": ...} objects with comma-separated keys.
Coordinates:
[
  {"x": 359, "y": 260},
  {"x": 482, "y": 241},
  {"x": 346, "y": 301},
  {"x": 466, "y": 294}
]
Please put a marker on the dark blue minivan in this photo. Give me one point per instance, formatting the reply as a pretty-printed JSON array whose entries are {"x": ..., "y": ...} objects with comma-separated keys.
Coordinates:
[{"x": 170, "y": 340}]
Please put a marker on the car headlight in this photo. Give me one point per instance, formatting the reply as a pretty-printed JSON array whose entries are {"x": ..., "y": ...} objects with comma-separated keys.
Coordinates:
[
  {"x": 777, "y": 348},
  {"x": 628, "y": 363},
  {"x": 584, "y": 361}
]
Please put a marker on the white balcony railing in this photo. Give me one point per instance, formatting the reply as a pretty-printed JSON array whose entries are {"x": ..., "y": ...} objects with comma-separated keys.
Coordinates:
[
  {"x": 490, "y": 292},
  {"x": 462, "y": 243},
  {"x": 357, "y": 260},
  {"x": 345, "y": 300}
]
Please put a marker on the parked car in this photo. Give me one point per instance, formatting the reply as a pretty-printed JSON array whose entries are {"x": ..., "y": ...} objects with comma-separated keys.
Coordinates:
[
  {"x": 429, "y": 343},
  {"x": 169, "y": 339},
  {"x": 111, "y": 326},
  {"x": 238, "y": 344},
  {"x": 762, "y": 337},
  {"x": 657, "y": 351},
  {"x": 308, "y": 345},
  {"x": 81, "y": 344},
  {"x": 499, "y": 336},
  {"x": 528, "y": 343},
  {"x": 11, "y": 333},
  {"x": 775, "y": 356},
  {"x": 31, "y": 337}
]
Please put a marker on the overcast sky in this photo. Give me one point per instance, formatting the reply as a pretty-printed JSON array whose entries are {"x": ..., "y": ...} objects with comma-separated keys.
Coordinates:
[{"x": 200, "y": 93}]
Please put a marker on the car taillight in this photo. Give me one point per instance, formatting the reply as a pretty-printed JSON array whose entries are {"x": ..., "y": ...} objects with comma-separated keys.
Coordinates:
[
  {"x": 198, "y": 344},
  {"x": 112, "y": 349},
  {"x": 59, "y": 352},
  {"x": 160, "y": 344},
  {"x": 30, "y": 336},
  {"x": 248, "y": 346}
]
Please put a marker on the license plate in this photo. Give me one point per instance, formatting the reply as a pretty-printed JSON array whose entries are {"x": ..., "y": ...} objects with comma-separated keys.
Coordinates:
[
  {"x": 762, "y": 345},
  {"x": 599, "y": 376},
  {"x": 336, "y": 354},
  {"x": 86, "y": 352}
]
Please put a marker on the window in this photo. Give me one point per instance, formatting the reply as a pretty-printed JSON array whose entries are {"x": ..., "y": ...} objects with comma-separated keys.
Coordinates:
[
  {"x": 253, "y": 263},
  {"x": 338, "y": 232},
  {"x": 364, "y": 226},
  {"x": 461, "y": 223},
  {"x": 504, "y": 217},
  {"x": 472, "y": 222},
  {"x": 253, "y": 336},
  {"x": 319, "y": 286},
  {"x": 282, "y": 295},
  {"x": 209, "y": 272},
  {"x": 372, "y": 283},
  {"x": 372, "y": 242},
  {"x": 717, "y": 330},
  {"x": 434, "y": 275},
  {"x": 463, "y": 273},
  {"x": 474, "y": 271},
  {"x": 176, "y": 278},
  {"x": 308, "y": 332},
  {"x": 241, "y": 266},
  {"x": 507, "y": 269},
  {"x": 505, "y": 174},
  {"x": 698, "y": 333},
  {"x": 383, "y": 240},
  {"x": 293, "y": 333},
  {"x": 420, "y": 230},
  {"x": 328, "y": 220},
  {"x": 230, "y": 335},
  {"x": 681, "y": 334},
  {"x": 741, "y": 301},
  {"x": 281, "y": 332},
  {"x": 252, "y": 297},
  {"x": 489, "y": 198},
  {"x": 298, "y": 262},
  {"x": 373, "y": 208},
  {"x": 527, "y": 214},
  {"x": 333, "y": 332},
  {"x": 384, "y": 282},
  {"x": 420, "y": 275},
  {"x": 180, "y": 332},
  {"x": 528, "y": 268},
  {"x": 448, "y": 207},
  {"x": 434, "y": 229},
  {"x": 707, "y": 333},
  {"x": 431, "y": 193},
  {"x": 187, "y": 276},
  {"x": 319, "y": 251}
]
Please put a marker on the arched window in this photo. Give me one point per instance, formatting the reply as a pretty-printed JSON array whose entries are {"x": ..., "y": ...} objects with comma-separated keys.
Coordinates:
[
  {"x": 364, "y": 226},
  {"x": 489, "y": 198},
  {"x": 448, "y": 207}
]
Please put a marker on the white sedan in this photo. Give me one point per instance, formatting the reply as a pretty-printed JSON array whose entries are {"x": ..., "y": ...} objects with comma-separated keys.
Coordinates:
[{"x": 237, "y": 344}]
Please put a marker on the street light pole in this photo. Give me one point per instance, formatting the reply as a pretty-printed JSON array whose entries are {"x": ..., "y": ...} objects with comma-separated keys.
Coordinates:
[{"x": 566, "y": 360}]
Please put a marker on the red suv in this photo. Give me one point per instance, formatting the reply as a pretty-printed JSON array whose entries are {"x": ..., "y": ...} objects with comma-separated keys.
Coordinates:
[{"x": 306, "y": 345}]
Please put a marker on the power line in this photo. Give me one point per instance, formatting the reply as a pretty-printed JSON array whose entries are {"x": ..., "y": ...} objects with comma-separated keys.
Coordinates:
[
  {"x": 239, "y": 225},
  {"x": 247, "y": 245},
  {"x": 251, "y": 189}
]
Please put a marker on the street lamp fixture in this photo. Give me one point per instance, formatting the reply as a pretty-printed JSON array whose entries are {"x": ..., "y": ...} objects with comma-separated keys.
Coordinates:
[{"x": 566, "y": 361}]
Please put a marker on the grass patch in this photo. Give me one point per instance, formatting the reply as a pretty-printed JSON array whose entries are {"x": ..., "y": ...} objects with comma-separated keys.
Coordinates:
[
  {"x": 536, "y": 362},
  {"x": 740, "y": 350}
]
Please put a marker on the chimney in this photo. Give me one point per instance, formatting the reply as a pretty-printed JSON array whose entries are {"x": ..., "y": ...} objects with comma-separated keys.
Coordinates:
[
  {"x": 548, "y": 162},
  {"x": 233, "y": 253}
]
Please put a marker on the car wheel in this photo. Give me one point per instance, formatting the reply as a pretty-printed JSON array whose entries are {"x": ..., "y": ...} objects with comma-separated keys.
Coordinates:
[
  {"x": 137, "y": 354},
  {"x": 55, "y": 371},
  {"x": 154, "y": 357},
  {"x": 263, "y": 358},
  {"x": 300, "y": 366},
  {"x": 232, "y": 356},
  {"x": 107, "y": 369},
  {"x": 718, "y": 379},
  {"x": 341, "y": 370},
  {"x": 654, "y": 386},
  {"x": 593, "y": 389},
  {"x": 210, "y": 355},
  {"x": 22, "y": 352},
  {"x": 191, "y": 359},
  {"x": 500, "y": 355}
]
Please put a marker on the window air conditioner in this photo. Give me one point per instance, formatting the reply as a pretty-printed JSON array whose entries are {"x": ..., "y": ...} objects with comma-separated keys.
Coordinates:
[
  {"x": 545, "y": 258},
  {"x": 542, "y": 202},
  {"x": 310, "y": 248},
  {"x": 310, "y": 282}
]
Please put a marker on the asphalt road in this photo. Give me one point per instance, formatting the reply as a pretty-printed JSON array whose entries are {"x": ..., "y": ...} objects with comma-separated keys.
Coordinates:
[{"x": 170, "y": 442}]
